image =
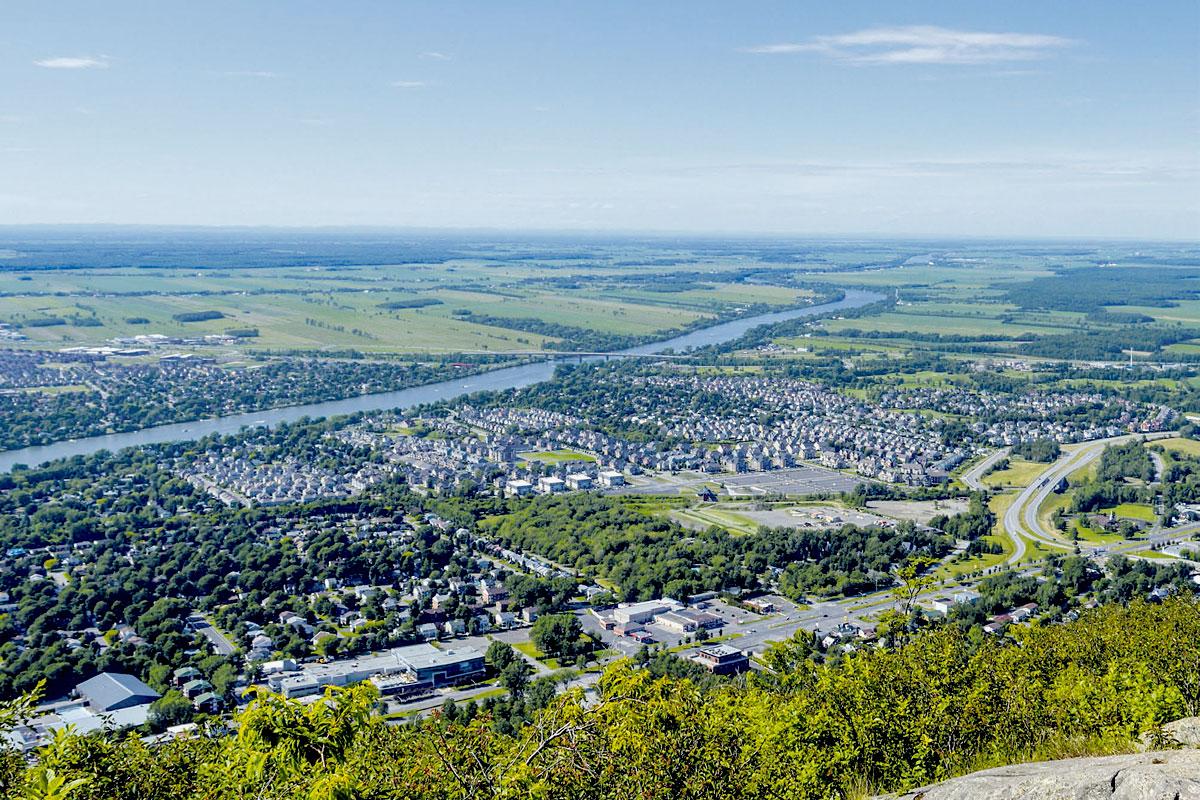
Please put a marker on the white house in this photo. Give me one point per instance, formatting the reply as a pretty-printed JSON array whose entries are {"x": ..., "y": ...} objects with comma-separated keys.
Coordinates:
[
  {"x": 550, "y": 485},
  {"x": 612, "y": 478}
]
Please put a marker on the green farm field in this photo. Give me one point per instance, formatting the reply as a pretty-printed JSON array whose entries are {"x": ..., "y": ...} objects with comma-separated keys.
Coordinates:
[{"x": 328, "y": 310}]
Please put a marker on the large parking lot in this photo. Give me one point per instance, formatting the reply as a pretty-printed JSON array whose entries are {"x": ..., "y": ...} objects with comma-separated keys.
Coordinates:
[
  {"x": 737, "y": 621},
  {"x": 795, "y": 481},
  {"x": 798, "y": 481},
  {"x": 811, "y": 517}
]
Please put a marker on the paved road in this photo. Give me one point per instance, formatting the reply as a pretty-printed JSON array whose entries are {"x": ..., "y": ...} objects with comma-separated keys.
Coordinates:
[
  {"x": 754, "y": 633},
  {"x": 973, "y": 477},
  {"x": 1021, "y": 518},
  {"x": 219, "y": 641},
  {"x": 1160, "y": 466},
  {"x": 1182, "y": 533}
]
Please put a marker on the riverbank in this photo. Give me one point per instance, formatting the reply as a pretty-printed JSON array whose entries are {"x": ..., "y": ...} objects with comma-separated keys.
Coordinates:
[{"x": 494, "y": 380}]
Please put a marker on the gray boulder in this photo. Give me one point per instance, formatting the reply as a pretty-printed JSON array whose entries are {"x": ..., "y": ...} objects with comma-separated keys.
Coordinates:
[
  {"x": 1161, "y": 775},
  {"x": 1186, "y": 731}
]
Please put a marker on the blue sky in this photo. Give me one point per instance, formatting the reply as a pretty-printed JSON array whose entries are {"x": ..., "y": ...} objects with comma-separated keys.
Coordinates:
[{"x": 879, "y": 118}]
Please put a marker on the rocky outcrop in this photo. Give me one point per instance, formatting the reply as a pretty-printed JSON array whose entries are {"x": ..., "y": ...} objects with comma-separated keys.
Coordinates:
[
  {"x": 1161, "y": 775},
  {"x": 1185, "y": 731}
]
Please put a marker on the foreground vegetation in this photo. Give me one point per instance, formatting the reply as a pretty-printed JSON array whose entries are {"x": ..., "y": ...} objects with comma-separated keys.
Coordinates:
[{"x": 941, "y": 705}]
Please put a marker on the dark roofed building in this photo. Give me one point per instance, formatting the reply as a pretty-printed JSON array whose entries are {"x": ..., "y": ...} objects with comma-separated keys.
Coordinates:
[{"x": 111, "y": 691}]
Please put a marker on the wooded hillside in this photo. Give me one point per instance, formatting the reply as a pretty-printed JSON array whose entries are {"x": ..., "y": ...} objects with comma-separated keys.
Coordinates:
[{"x": 945, "y": 704}]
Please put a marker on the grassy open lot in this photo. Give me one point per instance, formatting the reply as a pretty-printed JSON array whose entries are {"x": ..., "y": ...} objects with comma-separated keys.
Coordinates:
[
  {"x": 1057, "y": 502},
  {"x": 555, "y": 456},
  {"x": 1019, "y": 473},
  {"x": 1090, "y": 534},
  {"x": 656, "y": 503},
  {"x": 1154, "y": 555},
  {"x": 46, "y": 389},
  {"x": 703, "y": 517},
  {"x": 1138, "y": 511},
  {"x": 531, "y": 650},
  {"x": 926, "y": 378},
  {"x": 998, "y": 504},
  {"x": 1077, "y": 383},
  {"x": 1189, "y": 447}
]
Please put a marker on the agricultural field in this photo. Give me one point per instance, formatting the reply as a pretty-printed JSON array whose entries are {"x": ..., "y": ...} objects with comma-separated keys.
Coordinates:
[
  {"x": 440, "y": 295},
  {"x": 1000, "y": 300},
  {"x": 704, "y": 298},
  {"x": 326, "y": 321},
  {"x": 912, "y": 320},
  {"x": 1184, "y": 312},
  {"x": 595, "y": 314},
  {"x": 462, "y": 306},
  {"x": 282, "y": 321}
]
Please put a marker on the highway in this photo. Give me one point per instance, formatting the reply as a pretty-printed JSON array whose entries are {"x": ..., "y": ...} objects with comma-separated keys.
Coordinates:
[
  {"x": 1021, "y": 518},
  {"x": 973, "y": 478},
  {"x": 753, "y": 633}
]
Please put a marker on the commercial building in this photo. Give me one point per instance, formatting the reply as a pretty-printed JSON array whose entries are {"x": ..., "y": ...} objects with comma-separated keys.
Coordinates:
[
  {"x": 111, "y": 700},
  {"x": 760, "y": 604},
  {"x": 721, "y": 659},
  {"x": 415, "y": 666},
  {"x": 676, "y": 623},
  {"x": 643, "y": 612},
  {"x": 702, "y": 619},
  {"x": 113, "y": 691}
]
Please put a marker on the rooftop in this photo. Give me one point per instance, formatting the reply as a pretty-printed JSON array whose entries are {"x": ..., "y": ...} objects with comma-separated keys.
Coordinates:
[
  {"x": 720, "y": 651},
  {"x": 109, "y": 690}
]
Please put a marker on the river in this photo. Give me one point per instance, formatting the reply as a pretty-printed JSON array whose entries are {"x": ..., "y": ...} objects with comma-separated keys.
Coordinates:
[{"x": 495, "y": 380}]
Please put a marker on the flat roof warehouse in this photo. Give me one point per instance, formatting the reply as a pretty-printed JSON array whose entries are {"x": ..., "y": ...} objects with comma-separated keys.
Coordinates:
[{"x": 402, "y": 669}]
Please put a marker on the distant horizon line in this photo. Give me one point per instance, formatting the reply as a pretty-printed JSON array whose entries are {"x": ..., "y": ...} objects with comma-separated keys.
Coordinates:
[{"x": 591, "y": 232}]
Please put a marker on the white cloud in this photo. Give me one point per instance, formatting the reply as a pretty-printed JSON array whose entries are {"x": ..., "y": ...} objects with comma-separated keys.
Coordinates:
[
  {"x": 74, "y": 62},
  {"x": 922, "y": 44},
  {"x": 434, "y": 55},
  {"x": 409, "y": 84},
  {"x": 250, "y": 73}
]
